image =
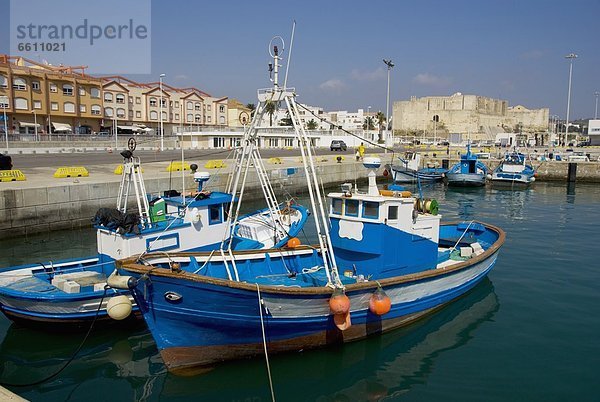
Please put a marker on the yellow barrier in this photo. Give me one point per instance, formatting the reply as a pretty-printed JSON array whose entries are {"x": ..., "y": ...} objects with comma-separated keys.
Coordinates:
[
  {"x": 275, "y": 161},
  {"x": 71, "y": 171},
  {"x": 177, "y": 166},
  {"x": 214, "y": 164},
  {"x": 335, "y": 158},
  {"x": 119, "y": 170},
  {"x": 12, "y": 175}
]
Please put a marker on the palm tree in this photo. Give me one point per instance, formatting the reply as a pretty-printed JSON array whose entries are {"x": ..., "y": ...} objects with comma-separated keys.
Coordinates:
[
  {"x": 380, "y": 119},
  {"x": 312, "y": 124},
  {"x": 369, "y": 123},
  {"x": 252, "y": 108},
  {"x": 270, "y": 108}
]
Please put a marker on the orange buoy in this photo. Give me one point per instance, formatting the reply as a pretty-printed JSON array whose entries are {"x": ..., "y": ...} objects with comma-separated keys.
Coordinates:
[
  {"x": 339, "y": 303},
  {"x": 293, "y": 242},
  {"x": 380, "y": 303}
]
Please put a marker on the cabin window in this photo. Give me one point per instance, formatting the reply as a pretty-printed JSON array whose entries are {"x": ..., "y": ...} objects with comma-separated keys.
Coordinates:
[
  {"x": 393, "y": 212},
  {"x": 214, "y": 212},
  {"x": 370, "y": 209},
  {"x": 352, "y": 207},
  {"x": 336, "y": 206}
]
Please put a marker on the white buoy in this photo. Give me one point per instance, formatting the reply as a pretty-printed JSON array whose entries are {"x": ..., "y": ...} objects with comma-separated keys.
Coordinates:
[{"x": 119, "y": 307}]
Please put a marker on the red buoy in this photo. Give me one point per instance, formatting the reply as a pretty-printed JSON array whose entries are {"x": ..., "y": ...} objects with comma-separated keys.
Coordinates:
[
  {"x": 385, "y": 172},
  {"x": 339, "y": 303},
  {"x": 380, "y": 303}
]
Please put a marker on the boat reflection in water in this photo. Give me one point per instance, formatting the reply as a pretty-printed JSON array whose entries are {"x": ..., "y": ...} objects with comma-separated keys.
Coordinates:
[
  {"x": 365, "y": 370},
  {"x": 371, "y": 369}
]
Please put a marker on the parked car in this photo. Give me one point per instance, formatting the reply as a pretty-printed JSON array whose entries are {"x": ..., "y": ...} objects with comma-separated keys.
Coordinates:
[
  {"x": 104, "y": 133},
  {"x": 337, "y": 145},
  {"x": 5, "y": 162}
]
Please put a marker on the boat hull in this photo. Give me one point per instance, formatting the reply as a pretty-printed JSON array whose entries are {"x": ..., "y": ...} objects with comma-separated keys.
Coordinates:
[
  {"x": 465, "y": 179},
  {"x": 511, "y": 179},
  {"x": 214, "y": 320},
  {"x": 406, "y": 175}
]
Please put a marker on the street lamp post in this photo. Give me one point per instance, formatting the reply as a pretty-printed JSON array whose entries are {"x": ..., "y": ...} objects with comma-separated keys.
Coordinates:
[
  {"x": 595, "y": 110},
  {"x": 4, "y": 105},
  {"x": 389, "y": 65},
  {"x": 368, "y": 120},
  {"x": 35, "y": 124},
  {"x": 570, "y": 56},
  {"x": 162, "y": 137}
]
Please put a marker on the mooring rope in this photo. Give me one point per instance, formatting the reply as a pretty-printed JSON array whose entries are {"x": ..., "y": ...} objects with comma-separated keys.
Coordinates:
[
  {"x": 262, "y": 326},
  {"x": 461, "y": 236}
]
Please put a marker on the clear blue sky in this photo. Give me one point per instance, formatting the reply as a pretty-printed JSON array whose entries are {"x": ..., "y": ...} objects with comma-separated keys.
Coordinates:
[{"x": 507, "y": 49}]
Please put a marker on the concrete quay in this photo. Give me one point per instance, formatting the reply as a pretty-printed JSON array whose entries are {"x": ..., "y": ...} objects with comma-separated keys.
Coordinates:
[{"x": 44, "y": 203}]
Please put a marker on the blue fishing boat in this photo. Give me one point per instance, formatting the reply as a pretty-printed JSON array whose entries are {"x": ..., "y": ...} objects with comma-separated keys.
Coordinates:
[
  {"x": 71, "y": 292},
  {"x": 409, "y": 170},
  {"x": 513, "y": 170},
  {"x": 469, "y": 172},
  {"x": 383, "y": 260}
]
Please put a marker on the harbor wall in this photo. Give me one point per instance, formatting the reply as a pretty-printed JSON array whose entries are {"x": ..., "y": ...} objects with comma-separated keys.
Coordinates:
[{"x": 65, "y": 205}]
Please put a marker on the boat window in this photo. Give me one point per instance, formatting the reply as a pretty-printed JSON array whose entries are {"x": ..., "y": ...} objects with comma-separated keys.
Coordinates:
[
  {"x": 393, "y": 212},
  {"x": 352, "y": 207},
  {"x": 214, "y": 214},
  {"x": 370, "y": 209},
  {"x": 336, "y": 206}
]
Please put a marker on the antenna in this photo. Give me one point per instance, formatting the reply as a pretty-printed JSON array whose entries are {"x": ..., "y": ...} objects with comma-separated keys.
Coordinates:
[
  {"x": 275, "y": 54},
  {"x": 287, "y": 67}
]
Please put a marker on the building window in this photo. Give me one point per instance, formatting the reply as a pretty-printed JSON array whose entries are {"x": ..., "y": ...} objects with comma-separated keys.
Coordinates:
[
  {"x": 108, "y": 97},
  {"x": 4, "y": 101},
  {"x": 138, "y": 114},
  {"x": 222, "y": 109},
  {"x": 81, "y": 91},
  {"x": 197, "y": 106},
  {"x": 131, "y": 114},
  {"x": 35, "y": 85},
  {"x": 67, "y": 90},
  {"x": 21, "y": 104},
  {"x": 108, "y": 111},
  {"x": 154, "y": 115},
  {"x": 189, "y": 106},
  {"x": 69, "y": 107},
  {"x": 54, "y": 106},
  {"x": 214, "y": 213},
  {"x": 352, "y": 207},
  {"x": 3, "y": 81},
  {"x": 96, "y": 109},
  {"x": 208, "y": 108},
  {"x": 370, "y": 209},
  {"x": 208, "y": 119},
  {"x": 197, "y": 119},
  {"x": 37, "y": 104},
  {"x": 131, "y": 100},
  {"x": 152, "y": 101},
  {"x": 164, "y": 116},
  {"x": 336, "y": 206},
  {"x": 138, "y": 100},
  {"x": 120, "y": 112},
  {"x": 53, "y": 88},
  {"x": 176, "y": 116},
  {"x": 176, "y": 104},
  {"x": 189, "y": 118},
  {"x": 222, "y": 120},
  {"x": 94, "y": 92},
  {"x": 20, "y": 84},
  {"x": 218, "y": 142},
  {"x": 82, "y": 108},
  {"x": 288, "y": 142},
  {"x": 120, "y": 98},
  {"x": 163, "y": 102}
]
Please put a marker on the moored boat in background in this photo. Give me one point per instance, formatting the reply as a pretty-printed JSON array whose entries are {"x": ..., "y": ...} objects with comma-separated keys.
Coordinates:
[
  {"x": 409, "y": 170},
  {"x": 468, "y": 172},
  {"x": 513, "y": 170}
]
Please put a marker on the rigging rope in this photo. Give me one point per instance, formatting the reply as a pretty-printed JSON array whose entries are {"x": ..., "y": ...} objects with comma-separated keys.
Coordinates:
[{"x": 262, "y": 327}]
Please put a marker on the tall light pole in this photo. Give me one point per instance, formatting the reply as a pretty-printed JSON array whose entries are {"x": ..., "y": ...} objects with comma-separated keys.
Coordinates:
[
  {"x": 162, "y": 136},
  {"x": 389, "y": 65},
  {"x": 570, "y": 56},
  {"x": 4, "y": 105},
  {"x": 35, "y": 124},
  {"x": 368, "y": 121},
  {"x": 595, "y": 112}
]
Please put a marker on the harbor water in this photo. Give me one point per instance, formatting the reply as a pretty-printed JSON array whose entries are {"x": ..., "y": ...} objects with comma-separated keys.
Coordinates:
[{"x": 529, "y": 332}]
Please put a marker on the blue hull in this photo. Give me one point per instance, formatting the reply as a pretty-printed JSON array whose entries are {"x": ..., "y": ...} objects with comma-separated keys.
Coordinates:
[
  {"x": 465, "y": 179},
  {"x": 199, "y": 320}
]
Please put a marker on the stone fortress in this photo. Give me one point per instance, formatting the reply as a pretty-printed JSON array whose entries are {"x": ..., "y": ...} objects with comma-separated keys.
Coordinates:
[{"x": 477, "y": 117}]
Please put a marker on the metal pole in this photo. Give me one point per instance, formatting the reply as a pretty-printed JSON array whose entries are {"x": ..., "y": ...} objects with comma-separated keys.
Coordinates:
[
  {"x": 570, "y": 56},
  {"x": 389, "y": 65},
  {"x": 35, "y": 124},
  {"x": 596, "y": 110},
  {"x": 162, "y": 137},
  {"x": 4, "y": 104}
]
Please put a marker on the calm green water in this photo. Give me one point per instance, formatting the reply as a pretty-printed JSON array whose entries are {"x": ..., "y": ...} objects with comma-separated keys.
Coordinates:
[{"x": 528, "y": 333}]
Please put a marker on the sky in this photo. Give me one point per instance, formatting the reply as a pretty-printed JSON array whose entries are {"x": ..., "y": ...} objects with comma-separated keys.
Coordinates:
[{"x": 507, "y": 49}]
